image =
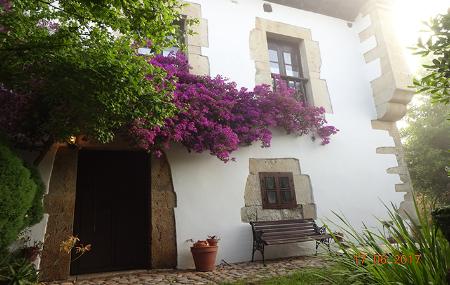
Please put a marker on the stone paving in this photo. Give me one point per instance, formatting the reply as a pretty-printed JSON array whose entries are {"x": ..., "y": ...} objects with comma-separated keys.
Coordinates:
[{"x": 223, "y": 274}]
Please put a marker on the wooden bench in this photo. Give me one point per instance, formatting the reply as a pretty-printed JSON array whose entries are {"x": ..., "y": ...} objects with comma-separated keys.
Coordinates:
[{"x": 287, "y": 231}]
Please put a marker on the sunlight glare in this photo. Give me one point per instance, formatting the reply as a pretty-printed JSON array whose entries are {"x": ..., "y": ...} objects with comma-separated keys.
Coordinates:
[{"x": 409, "y": 15}]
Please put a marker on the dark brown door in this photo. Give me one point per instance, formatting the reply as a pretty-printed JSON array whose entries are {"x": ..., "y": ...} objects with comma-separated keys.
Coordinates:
[{"x": 112, "y": 210}]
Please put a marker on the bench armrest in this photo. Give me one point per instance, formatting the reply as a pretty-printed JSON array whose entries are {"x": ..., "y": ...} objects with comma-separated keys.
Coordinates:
[
  {"x": 322, "y": 230},
  {"x": 257, "y": 235}
]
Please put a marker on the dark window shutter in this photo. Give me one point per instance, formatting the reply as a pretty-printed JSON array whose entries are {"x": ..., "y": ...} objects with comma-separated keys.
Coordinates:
[{"x": 277, "y": 190}]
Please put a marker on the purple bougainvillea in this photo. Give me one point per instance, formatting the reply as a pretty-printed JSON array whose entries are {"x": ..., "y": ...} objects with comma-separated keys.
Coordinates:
[
  {"x": 215, "y": 116},
  {"x": 6, "y": 5}
]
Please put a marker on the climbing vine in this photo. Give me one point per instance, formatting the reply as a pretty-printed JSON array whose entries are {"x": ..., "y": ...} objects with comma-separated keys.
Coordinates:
[{"x": 215, "y": 116}]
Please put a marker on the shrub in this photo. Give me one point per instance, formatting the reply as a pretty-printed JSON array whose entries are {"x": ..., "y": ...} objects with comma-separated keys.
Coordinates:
[
  {"x": 15, "y": 270},
  {"x": 423, "y": 245},
  {"x": 21, "y": 196}
]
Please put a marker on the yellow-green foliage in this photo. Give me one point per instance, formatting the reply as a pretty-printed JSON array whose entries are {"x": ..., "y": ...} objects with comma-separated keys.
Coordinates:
[{"x": 425, "y": 248}]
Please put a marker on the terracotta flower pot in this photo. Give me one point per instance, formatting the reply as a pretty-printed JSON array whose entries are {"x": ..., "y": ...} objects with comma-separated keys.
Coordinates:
[
  {"x": 204, "y": 257},
  {"x": 31, "y": 253},
  {"x": 201, "y": 243}
]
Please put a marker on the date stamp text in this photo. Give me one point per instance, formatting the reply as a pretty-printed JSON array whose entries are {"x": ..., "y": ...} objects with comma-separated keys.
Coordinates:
[{"x": 382, "y": 259}]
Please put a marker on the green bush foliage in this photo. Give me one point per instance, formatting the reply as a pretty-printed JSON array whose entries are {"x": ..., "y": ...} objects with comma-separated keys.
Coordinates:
[
  {"x": 426, "y": 141},
  {"x": 435, "y": 80},
  {"x": 72, "y": 67},
  {"x": 441, "y": 217},
  {"x": 21, "y": 192},
  {"x": 15, "y": 270},
  {"x": 408, "y": 253}
]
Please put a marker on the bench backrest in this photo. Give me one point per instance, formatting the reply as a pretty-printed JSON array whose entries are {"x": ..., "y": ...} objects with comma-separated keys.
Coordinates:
[{"x": 299, "y": 226}]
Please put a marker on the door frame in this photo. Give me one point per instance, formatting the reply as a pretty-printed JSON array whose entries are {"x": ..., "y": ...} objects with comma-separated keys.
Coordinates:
[{"x": 59, "y": 204}]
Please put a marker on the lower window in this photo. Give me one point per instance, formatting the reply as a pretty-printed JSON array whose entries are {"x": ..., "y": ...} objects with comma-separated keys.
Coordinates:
[{"x": 277, "y": 190}]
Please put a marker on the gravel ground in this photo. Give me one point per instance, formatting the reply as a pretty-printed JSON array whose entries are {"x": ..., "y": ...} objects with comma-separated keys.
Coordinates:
[{"x": 224, "y": 273}]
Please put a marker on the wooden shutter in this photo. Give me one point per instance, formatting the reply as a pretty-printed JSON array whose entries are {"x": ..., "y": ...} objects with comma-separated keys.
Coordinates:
[{"x": 277, "y": 190}]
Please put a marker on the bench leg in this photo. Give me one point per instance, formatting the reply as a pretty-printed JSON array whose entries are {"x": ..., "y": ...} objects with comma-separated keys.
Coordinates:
[
  {"x": 323, "y": 241},
  {"x": 262, "y": 252}
]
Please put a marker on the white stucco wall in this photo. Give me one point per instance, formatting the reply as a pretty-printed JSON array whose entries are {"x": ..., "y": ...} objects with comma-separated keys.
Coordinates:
[
  {"x": 45, "y": 168},
  {"x": 347, "y": 175}
]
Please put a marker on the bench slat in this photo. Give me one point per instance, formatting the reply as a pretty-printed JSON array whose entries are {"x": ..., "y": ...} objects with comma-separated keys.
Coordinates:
[
  {"x": 286, "y": 228},
  {"x": 283, "y": 225},
  {"x": 294, "y": 239},
  {"x": 283, "y": 241},
  {"x": 290, "y": 229},
  {"x": 288, "y": 234},
  {"x": 310, "y": 225},
  {"x": 283, "y": 222}
]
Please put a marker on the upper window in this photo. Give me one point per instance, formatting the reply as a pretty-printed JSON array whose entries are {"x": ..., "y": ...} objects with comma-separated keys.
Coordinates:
[
  {"x": 179, "y": 38},
  {"x": 277, "y": 190},
  {"x": 284, "y": 57}
]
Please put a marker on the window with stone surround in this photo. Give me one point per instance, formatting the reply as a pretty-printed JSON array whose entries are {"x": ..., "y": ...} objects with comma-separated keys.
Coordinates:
[
  {"x": 277, "y": 190},
  {"x": 196, "y": 40},
  {"x": 316, "y": 89},
  {"x": 180, "y": 38},
  {"x": 285, "y": 63},
  {"x": 254, "y": 208}
]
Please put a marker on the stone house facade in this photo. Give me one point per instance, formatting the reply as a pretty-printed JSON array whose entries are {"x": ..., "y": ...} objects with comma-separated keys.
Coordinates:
[{"x": 348, "y": 61}]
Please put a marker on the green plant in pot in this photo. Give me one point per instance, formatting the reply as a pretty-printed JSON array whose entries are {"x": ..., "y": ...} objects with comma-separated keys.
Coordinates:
[
  {"x": 32, "y": 252},
  {"x": 213, "y": 240},
  {"x": 441, "y": 217}
]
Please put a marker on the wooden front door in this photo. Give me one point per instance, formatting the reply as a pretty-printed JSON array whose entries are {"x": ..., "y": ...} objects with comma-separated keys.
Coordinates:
[{"x": 112, "y": 211}]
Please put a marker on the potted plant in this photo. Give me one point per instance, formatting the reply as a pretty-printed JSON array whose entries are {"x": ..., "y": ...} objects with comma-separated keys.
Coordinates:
[
  {"x": 27, "y": 249},
  {"x": 441, "y": 217},
  {"x": 32, "y": 252},
  {"x": 339, "y": 236},
  {"x": 213, "y": 240},
  {"x": 204, "y": 255}
]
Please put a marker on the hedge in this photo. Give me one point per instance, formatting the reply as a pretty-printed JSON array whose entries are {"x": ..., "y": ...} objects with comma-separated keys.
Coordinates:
[{"x": 21, "y": 191}]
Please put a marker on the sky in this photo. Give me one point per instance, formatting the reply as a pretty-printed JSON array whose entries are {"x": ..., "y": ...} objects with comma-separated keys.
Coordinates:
[{"x": 409, "y": 16}]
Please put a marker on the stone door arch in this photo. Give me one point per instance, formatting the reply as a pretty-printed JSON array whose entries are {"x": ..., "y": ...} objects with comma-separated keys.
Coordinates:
[{"x": 59, "y": 203}]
